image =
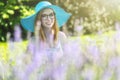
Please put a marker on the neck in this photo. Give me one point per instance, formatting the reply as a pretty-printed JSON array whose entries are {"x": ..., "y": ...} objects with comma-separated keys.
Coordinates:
[
  {"x": 47, "y": 31},
  {"x": 49, "y": 36}
]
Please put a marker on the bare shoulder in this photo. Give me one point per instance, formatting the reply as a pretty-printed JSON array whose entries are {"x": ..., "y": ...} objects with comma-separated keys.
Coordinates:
[
  {"x": 62, "y": 37},
  {"x": 62, "y": 34}
]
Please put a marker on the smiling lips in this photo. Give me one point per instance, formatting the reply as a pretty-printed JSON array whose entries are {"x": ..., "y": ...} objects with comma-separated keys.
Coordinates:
[{"x": 48, "y": 23}]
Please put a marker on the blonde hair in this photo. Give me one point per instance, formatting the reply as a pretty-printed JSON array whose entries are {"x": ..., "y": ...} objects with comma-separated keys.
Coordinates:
[{"x": 55, "y": 29}]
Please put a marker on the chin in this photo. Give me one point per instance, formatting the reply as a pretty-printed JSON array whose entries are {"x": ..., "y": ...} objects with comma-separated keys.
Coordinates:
[{"x": 49, "y": 26}]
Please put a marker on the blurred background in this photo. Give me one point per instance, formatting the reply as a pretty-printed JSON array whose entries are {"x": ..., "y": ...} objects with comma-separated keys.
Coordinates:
[{"x": 88, "y": 16}]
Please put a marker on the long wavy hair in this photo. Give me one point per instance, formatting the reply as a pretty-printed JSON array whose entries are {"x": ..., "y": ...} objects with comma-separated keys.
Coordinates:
[{"x": 54, "y": 28}]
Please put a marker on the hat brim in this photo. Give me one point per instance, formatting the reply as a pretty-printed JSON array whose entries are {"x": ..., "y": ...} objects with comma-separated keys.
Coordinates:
[{"x": 61, "y": 16}]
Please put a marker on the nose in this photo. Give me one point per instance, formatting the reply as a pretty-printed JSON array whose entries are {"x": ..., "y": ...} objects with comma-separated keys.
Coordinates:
[{"x": 48, "y": 18}]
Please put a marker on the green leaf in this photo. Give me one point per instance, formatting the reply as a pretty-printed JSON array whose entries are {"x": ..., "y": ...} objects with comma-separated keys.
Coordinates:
[
  {"x": 10, "y": 12},
  {"x": 12, "y": 1},
  {"x": 16, "y": 7},
  {"x": 6, "y": 25},
  {"x": 5, "y": 16},
  {"x": 1, "y": 4}
]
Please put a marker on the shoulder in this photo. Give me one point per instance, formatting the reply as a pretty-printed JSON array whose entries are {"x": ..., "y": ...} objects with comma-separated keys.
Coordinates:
[
  {"x": 62, "y": 37},
  {"x": 61, "y": 34}
]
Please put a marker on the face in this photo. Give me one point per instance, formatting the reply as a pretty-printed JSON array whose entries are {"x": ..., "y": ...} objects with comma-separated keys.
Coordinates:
[{"x": 47, "y": 18}]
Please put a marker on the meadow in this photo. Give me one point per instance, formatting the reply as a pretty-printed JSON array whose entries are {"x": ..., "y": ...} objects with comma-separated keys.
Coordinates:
[{"x": 88, "y": 57}]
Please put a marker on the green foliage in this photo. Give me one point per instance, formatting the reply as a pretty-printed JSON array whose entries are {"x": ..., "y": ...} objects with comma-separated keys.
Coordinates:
[{"x": 11, "y": 13}]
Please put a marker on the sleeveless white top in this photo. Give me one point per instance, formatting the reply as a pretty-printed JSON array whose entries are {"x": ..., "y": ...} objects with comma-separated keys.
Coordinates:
[{"x": 51, "y": 52}]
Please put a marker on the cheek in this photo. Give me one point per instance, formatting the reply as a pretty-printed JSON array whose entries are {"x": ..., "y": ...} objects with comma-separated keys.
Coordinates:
[
  {"x": 42, "y": 22},
  {"x": 53, "y": 21}
]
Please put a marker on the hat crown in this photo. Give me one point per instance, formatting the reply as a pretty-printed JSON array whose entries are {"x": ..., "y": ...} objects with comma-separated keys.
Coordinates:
[{"x": 41, "y": 5}]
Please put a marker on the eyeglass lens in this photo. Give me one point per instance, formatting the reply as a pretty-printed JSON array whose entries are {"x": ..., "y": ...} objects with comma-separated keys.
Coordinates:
[{"x": 45, "y": 16}]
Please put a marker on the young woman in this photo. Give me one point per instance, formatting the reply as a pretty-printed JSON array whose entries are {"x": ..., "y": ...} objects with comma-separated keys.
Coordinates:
[{"x": 48, "y": 44}]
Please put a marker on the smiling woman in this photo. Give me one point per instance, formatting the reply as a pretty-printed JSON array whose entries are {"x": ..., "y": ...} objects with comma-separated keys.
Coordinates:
[
  {"x": 48, "y": 18},
  {"x": 48, "y": 43}
]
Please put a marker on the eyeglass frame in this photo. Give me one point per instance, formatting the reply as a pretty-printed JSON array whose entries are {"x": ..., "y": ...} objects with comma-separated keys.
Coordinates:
[{"x": 45, "y": 16}]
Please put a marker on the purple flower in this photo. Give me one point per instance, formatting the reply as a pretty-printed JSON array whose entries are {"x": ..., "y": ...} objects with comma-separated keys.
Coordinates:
[
  {"x": 17, "y": 33},
  {"x": 107, "y": 75},
  {"x": 114, "y": 62},
  {"x": 88, "y": 74},
  {"x": 117, "y": 26},
  {"x": 59, "y": 73},
  {"x": 94, "y": 51}
]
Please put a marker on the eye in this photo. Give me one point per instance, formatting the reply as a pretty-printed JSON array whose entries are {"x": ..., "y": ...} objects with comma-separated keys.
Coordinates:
[
  {"x": 44, "y": 15},
  {"x": 51, "y": 14}
]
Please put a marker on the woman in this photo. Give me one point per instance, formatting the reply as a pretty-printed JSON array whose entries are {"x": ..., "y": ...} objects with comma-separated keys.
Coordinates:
[
  {"x": 45, "y": 23},
  {"x": 48, "y": 44}
]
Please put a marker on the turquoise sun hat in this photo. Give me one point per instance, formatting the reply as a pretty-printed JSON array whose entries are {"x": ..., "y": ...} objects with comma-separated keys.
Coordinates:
[{"x": 61, "y": 15}]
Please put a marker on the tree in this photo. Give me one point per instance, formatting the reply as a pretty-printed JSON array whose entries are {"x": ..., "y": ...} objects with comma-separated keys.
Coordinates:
[{"x": 11, "y": 13}]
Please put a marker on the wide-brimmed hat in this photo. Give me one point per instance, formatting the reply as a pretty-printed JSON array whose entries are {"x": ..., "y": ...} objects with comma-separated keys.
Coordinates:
[{"x": 61, "y": 15}]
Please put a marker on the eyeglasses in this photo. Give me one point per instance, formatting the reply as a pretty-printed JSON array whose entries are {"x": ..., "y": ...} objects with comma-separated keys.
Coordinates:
[{"x": 45, "y": 16}]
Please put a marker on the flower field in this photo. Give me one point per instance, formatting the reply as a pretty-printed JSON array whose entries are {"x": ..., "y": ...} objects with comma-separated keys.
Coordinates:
[{"x": 93, "y": 57}]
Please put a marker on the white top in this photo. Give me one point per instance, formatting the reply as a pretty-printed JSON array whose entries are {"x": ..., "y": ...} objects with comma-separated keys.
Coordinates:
[{"x": 51, "y": 52}]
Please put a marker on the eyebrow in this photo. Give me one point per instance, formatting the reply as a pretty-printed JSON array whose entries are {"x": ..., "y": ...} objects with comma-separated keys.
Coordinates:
[{"x": 48, "y": 14}]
